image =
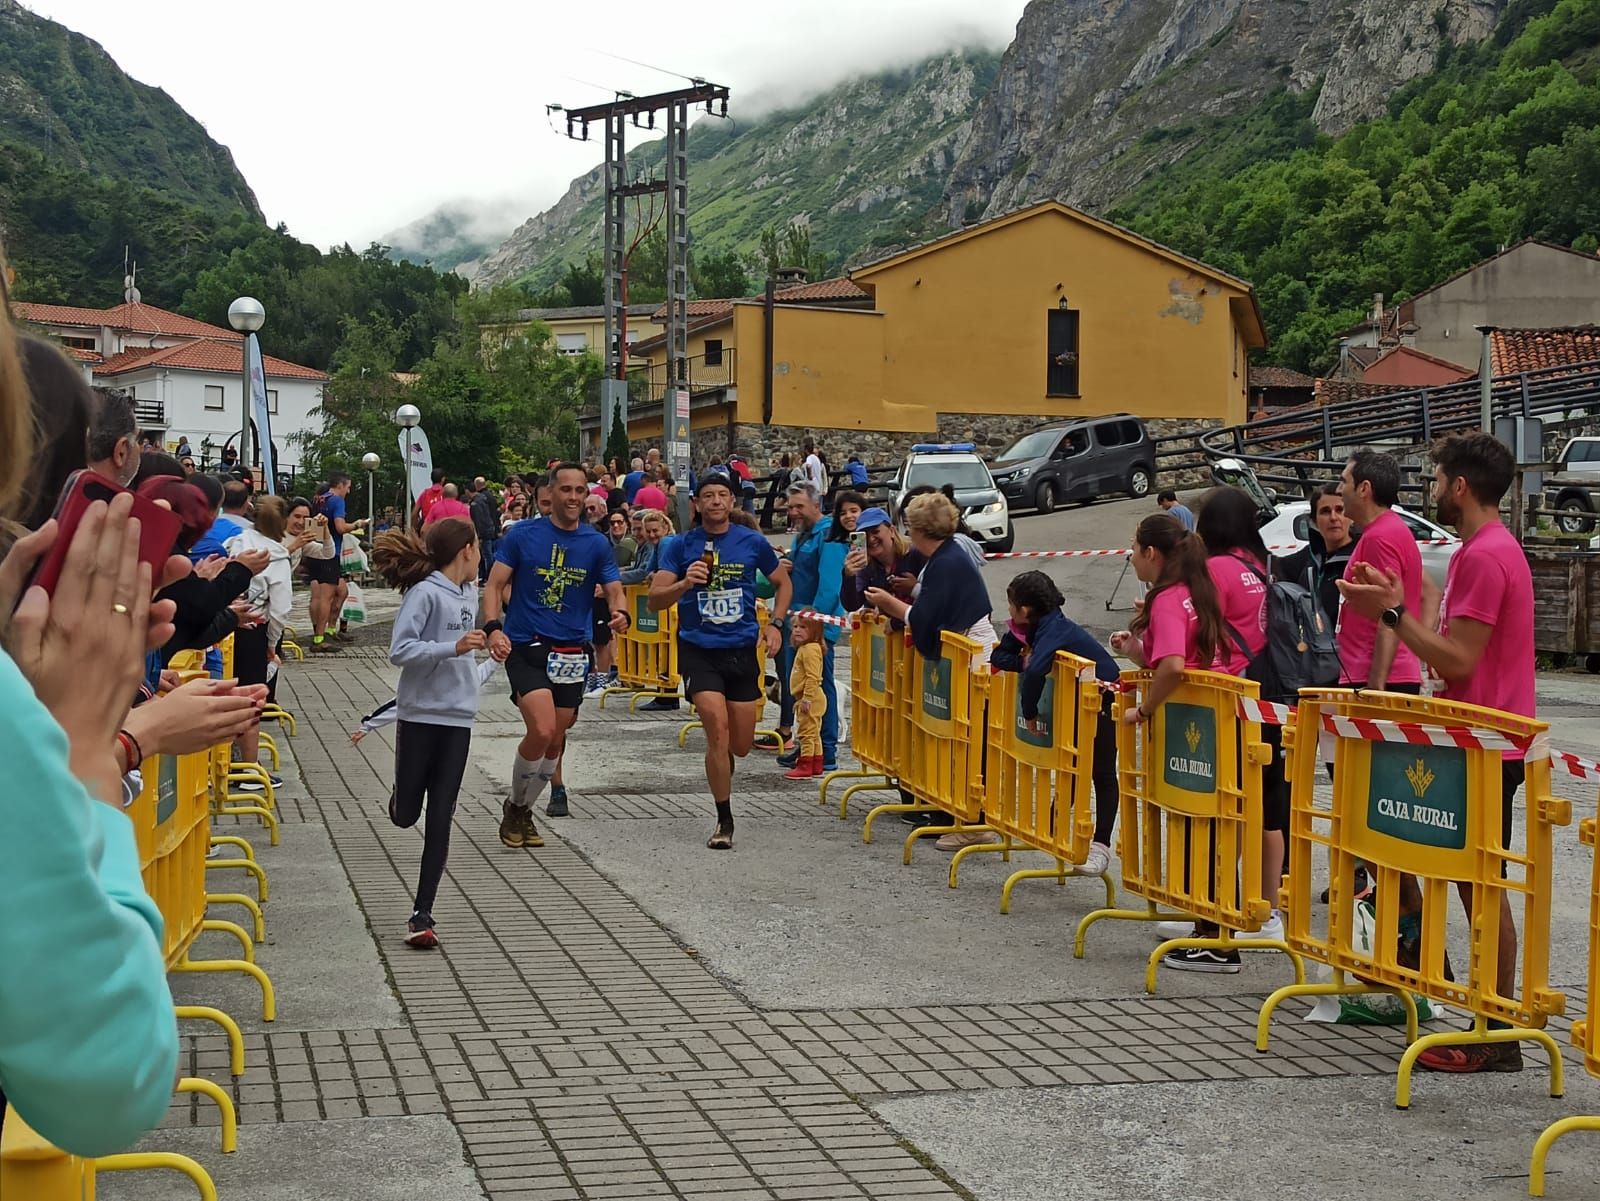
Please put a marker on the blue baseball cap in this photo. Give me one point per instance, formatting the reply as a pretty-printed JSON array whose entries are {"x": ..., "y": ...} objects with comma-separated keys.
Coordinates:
[{"x": 871, "y": 517}]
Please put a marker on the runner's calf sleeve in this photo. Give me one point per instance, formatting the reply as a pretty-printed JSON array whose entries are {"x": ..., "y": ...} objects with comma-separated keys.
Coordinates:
[
  {"x": 548, "y": 766},
  {"x": 523, "y": 773}
]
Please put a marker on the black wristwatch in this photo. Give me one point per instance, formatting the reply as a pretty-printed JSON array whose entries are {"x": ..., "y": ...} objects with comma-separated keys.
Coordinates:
[
  {"x": 1391, "y": 617},
  {"x": 491, "y": 627}
]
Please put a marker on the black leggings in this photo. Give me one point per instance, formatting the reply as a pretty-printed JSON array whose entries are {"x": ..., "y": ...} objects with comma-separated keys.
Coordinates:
[
  {"x": 1107, "y": 795},
  {"x": 429, "y": 761}
]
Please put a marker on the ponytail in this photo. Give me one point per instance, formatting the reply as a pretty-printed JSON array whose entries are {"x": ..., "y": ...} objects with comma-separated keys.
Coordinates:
[
  {"x": 404, "y": 559},
  {"x": 1184, "y": 562}
]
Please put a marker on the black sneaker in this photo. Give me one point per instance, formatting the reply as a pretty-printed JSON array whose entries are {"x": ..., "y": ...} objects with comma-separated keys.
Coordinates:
[
  {"x": 1201, "y": 959},
  {"x": 511, "y": 824},
  {"x": 660, "y": 704},
  {"x": 558, "y": 801},
  {"x": 790, "y": 758},
  {"x": 925, "y": 817}
]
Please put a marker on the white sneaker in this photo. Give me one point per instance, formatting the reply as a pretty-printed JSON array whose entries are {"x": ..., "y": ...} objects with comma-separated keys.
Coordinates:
[
  {"x": 1271, "y": 930},
  {"x": 1096, "y": 861},
  {"x": 1166, "y": 930},
  {"x": 597, "y": 686}
]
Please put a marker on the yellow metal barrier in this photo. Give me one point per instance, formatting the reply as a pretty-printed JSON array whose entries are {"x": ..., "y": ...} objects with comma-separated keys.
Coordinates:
[
  {"x": 1431, "y": 812},
  {"x": 35, "y": 1170},
  {"x": 1039, "y": 786},
  {"x": 1585, "y": 1033},
  {"x": 647, "y": 651},
  {"x": 877, "y": 662},
  {"x": 941, "y": 761},
  {"x": 1191, "y": 822}
]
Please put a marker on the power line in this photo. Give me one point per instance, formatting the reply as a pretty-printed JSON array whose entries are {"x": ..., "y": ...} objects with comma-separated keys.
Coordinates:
[{"x": 651, "y": 67}]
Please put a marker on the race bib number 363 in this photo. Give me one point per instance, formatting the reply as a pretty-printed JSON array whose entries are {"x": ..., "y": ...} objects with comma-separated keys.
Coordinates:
[{"x": 721, "y": 606}]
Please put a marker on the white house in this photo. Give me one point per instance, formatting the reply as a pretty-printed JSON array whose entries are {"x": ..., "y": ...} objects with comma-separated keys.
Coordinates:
[{"x": 185, "y": 376}]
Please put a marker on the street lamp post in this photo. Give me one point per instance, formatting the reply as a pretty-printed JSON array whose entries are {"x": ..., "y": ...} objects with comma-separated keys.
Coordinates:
[
  {"x": 370, "y": 462},
  {"x": 246, "y": 315},
  {"x": 408, "y": 417}
]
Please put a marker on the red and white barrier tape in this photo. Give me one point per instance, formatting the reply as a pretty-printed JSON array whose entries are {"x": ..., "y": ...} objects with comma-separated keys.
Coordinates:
[
  {"x": 1573, "y": 765},
  {"x": 1265, "y": 712},
  {"x": 827, "y": 619},
  {"x": 1417, "y": 734},
  {"x": 1097, "y": 554}
]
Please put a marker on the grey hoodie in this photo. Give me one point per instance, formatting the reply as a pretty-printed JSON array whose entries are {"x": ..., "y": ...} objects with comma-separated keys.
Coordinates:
[{"x": 437, "y": 686}]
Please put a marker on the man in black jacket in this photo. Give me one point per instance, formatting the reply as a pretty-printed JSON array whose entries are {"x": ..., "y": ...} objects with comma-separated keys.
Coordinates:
[
  {"x": 1330, "y": 542},
  {"x": 486, "y": 522}
]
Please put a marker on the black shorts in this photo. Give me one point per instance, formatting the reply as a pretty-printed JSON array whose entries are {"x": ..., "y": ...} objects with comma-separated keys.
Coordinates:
[
  {"x": 320, "y": 571},
  {"x": 734, "y": 671},
  {"x": 602, "y": 622},
  {"x": 527, "y": 671}
]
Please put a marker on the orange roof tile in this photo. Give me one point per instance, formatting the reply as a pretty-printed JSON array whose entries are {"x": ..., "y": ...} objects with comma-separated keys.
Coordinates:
[
  {"x": 136, "y": 318},
  {"x": 83, "y": 356},
  {"x": 204, "y": 354},
  {"x": 839, "y": 288},
  {"x": 1337, "y": 391},
  {"x": 1267, "y": 376},
  {"x": 1516, "y": 350}
]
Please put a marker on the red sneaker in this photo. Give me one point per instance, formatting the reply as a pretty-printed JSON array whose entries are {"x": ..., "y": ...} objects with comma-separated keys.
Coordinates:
[
  {"x": 421, "y": 940},
  {"x": 1473, "y": 1057}
]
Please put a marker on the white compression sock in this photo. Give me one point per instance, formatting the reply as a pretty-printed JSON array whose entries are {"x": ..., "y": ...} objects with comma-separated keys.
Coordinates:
[
  {"x": 548, "y": 767},
  {"x": 523, "y": 773}
]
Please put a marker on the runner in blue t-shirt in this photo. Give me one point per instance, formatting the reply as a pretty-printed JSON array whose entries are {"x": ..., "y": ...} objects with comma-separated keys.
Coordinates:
[
  {"x": 709, "y": 572},
  {"x": 552, "y": 568}
]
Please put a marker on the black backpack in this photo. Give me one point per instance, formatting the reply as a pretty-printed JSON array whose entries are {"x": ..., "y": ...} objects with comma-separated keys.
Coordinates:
[{"x": 1299, "y": 651}]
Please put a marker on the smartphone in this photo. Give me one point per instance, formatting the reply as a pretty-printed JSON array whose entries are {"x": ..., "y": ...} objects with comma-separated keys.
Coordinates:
[
  {"x": 858, "y": 540},
  {"x": 158, "y": 527}
]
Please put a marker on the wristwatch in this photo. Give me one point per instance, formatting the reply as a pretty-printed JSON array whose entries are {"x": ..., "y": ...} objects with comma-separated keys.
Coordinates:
[{"x": 1391, "y": 617}]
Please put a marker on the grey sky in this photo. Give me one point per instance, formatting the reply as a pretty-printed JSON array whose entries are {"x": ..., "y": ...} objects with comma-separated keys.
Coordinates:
[{"x": 361, "y": 117}]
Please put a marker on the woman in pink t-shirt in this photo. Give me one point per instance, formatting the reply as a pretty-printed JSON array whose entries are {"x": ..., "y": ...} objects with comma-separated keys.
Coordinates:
[
  {"x": 1179, "y": 626},
  {"x": 1238, "y": 565}
]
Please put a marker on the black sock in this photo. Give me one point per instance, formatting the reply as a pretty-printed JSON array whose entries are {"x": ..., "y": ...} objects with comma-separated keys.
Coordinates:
[{"x": 724, "y": 815}]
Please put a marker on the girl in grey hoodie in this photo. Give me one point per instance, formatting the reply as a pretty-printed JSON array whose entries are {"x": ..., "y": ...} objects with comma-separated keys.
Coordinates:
[{"x": 434, "y": 636}]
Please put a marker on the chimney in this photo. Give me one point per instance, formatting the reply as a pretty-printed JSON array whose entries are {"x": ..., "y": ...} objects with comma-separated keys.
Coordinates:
[{"x": 789, "y": 277}]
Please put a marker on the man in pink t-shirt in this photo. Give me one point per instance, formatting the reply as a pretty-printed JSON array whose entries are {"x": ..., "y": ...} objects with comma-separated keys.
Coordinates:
[
  {"x": 449, "y": 504},
  {"x": 1369, "y": 656},
  {"x": 1483, "y": 650}
]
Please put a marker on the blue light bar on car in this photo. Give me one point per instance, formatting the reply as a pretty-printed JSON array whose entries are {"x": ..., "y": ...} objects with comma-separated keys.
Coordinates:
[{"x": 944, "y": 448}]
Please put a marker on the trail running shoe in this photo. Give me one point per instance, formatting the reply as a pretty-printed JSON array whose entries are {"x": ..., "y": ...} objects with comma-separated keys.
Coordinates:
[
  {"x": 558, "y": 801},
  {"x": 511, "y": 824},
  {"x": 530, "y": 833},
  {"x": 421, "y": 939}
]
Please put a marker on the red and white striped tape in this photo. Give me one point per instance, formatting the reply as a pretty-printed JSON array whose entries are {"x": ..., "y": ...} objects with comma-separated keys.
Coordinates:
[
  {"x": 827, "y": 619},
  {"x": 1099, "y": 554},
  {"x": 1417, "y": 734},
  {"x": 1573, "y": 765},
  {"x": 1265, "y": 712}
]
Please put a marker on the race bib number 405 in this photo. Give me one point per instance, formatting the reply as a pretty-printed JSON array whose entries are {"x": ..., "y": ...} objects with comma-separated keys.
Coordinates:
[
  {"x": 721, "y": 606},
  {"x": 566, "y": 667}
]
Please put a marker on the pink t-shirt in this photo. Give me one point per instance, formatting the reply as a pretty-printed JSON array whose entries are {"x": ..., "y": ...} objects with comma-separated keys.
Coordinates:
[
  {"x": 1172, "y": 629},
  {"x": 446, "y": 506},
  {"x": 1242, "y": 596},
  {"x": 1489, "y": 581},
  {"x": 1388, "y": 544}
]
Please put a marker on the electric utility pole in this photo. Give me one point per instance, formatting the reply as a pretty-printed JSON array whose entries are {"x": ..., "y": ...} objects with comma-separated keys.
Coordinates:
[{"x": 642, "y": 110}]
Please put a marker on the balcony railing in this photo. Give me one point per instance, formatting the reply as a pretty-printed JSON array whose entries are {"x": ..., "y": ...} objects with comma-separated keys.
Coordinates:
[
  {"x": 706, "y": 374},
  {"x": 150, "y": 414}
]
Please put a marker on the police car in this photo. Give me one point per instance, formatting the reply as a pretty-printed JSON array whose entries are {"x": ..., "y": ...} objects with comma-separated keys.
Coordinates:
[{"x": 983, "y": 508}]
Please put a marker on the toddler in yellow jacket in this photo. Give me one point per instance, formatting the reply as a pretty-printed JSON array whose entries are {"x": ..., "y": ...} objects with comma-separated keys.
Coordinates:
[{"x": 810, "y": 703}]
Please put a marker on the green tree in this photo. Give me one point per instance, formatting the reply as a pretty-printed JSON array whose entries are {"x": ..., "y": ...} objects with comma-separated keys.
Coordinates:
[
  {"x": 617, "y": 440},
  {"x": 790, "y": 246},
  {"x": 720, "y": 275}
]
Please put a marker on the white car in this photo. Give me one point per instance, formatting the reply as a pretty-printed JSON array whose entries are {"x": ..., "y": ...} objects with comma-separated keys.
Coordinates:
[
  {"x": 1288, "y": 532},
  {"x": 983, "y": 506}
]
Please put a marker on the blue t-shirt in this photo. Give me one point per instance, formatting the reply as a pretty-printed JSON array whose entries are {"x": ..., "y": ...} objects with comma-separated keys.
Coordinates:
[
  {"x": 554, "y": 573},
  {"x": 631, "y": 483},
  {"x": 723, "y": 613},
  {"x": 214, "y": 540},
  {"x": 858, "y": 473},
  {"x": 333, "y": 510}
]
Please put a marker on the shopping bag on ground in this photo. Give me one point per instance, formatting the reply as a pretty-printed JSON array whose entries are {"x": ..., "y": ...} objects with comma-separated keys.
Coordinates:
[
  {"x": 1367, "y": 1009},
  {"x": 355, "y": 606}
]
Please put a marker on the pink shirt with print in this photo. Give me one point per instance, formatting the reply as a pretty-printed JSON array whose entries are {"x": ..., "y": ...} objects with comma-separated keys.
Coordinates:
[
  {"x": 1489, "y": 581},
  {"x": 1242, "y": 596},
  {"x": 1388, "y": 544},
  {"x": 1172, "y": 629}
]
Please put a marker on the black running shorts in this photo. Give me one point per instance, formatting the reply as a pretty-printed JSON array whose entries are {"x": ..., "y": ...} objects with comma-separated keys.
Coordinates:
[
  {"x": 602, "y": 622},
  {"x": 320, "y": 571},
  {"x": 529, "y": 670},
  {"x": 733, "y": 671}
]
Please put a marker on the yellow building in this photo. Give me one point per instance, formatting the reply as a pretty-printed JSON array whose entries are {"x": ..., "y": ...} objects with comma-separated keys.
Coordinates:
[
  {"x": 1039, "y": 316},
  {"x": 582, "y": 328}
]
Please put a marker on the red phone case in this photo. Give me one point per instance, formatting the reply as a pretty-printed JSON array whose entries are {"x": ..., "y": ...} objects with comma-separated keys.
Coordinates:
[{"x": 158, "y": 527}]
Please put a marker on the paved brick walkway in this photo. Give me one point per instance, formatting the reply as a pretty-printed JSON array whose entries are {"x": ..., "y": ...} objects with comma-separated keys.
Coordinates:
[{"x": 580, "y": 1050}]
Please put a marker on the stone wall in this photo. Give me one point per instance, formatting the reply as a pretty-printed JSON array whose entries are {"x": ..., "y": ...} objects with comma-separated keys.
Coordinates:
[{"x": 990, "y": 433}]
